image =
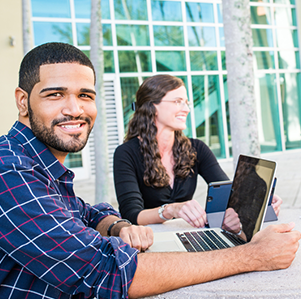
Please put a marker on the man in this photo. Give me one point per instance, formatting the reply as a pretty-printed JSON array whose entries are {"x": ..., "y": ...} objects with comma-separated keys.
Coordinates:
[{"x": 51, "y": 242}]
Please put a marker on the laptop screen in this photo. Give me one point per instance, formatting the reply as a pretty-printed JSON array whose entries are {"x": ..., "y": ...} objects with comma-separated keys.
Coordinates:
[{"x": 250, "y": 192}]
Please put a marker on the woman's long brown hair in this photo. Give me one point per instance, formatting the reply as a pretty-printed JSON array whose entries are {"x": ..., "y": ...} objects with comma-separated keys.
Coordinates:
[{"x": 151, "y": 92}]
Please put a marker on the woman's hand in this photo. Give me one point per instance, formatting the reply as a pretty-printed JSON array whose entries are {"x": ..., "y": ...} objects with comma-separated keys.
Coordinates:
[
  {"x": 276, "y": 203},
  {"x": 231, "y": 222},
  {"x": 191, "y": 211}
]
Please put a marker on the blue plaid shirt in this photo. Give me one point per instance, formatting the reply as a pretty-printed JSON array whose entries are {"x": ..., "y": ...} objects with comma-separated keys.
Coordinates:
[{"x": 49, "y": 247}]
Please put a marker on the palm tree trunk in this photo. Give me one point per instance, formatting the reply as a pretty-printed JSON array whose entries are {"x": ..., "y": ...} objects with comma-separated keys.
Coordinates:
[
  {"x": 27, "y": 28},
  {"x": 102, "y": 181},
  {"x": 239, "y": 61}
]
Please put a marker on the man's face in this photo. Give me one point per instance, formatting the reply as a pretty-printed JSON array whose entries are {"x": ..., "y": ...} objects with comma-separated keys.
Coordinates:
[{"x": 62, "y": 107}]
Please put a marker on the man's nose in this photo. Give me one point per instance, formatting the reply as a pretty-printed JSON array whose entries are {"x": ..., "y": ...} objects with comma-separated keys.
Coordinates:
[{"x": 73, "y": 106}]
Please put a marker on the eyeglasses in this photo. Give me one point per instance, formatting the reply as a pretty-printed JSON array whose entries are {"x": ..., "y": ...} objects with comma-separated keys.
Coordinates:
[{"x": 180, "y": 103}]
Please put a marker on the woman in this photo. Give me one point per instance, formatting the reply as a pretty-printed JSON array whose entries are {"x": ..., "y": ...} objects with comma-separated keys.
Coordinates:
[{"x": 155, "y": 170}]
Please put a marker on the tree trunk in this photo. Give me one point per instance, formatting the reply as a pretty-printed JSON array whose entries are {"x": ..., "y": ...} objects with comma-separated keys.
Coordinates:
[
  {"x": 102, "y": 180},
  {"x": 27, "y": 28},
  {"x": 239, "y": 62}
]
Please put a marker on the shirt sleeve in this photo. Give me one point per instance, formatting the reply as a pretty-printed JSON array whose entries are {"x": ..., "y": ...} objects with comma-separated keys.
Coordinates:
[
  {"x": 127, "y": 188},
  {"x": 208, "y": 166},
  {"x": 39, "y": 233}
]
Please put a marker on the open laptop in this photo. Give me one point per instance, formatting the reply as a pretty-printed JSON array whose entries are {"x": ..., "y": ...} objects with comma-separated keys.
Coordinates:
[{"x": 251, "y": 188}]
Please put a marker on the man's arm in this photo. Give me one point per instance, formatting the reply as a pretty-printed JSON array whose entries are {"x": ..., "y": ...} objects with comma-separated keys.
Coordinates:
[
  {"x": 272, "y": 248},
  {"x": 139, "y": 237}
]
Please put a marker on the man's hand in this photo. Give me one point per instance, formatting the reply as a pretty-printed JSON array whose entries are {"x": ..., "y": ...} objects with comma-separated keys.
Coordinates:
[
  {"x": 139, "y": 237},
  {"x": 276, "y": 203},
  {"x": 191, "y": 211},
  {"x": 231, "y": 221},
  {"x": 275, "y": 247}
]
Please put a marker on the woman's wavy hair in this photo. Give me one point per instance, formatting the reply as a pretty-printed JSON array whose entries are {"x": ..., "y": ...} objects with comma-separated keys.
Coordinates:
[{"x": 151, "y": 92}]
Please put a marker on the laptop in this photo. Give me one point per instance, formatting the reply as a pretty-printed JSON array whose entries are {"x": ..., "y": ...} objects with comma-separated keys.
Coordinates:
[{"x": 251, "y": 189}]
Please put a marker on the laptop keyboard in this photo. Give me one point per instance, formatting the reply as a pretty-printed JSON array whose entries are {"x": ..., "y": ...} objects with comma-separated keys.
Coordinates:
[{"x": 203, "y": 241}]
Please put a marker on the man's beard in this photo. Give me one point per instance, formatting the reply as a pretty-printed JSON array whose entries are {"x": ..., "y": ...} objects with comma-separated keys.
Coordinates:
[{"x": 49, "y": 138}]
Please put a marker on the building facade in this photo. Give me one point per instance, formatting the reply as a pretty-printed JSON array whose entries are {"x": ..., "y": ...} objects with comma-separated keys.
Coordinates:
[{"x": 185, "y": 38}]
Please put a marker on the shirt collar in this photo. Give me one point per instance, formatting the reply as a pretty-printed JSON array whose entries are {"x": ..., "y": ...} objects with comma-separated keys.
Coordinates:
[{"x": 38, "y": 150}]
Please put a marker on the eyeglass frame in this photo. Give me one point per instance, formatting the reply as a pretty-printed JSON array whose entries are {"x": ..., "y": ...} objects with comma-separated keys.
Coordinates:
[{"x": 180, "y": 103}]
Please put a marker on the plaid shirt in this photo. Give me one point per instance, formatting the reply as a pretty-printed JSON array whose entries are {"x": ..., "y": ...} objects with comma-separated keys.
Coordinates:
[{"x": 49, "y": 247}]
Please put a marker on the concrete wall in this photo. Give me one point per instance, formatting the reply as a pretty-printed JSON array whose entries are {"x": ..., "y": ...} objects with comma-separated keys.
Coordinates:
[{"x": 10, "y": 58}]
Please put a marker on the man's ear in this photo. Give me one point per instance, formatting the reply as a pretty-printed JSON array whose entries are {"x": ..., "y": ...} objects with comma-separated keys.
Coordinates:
[{"x": 22, "y": 101}]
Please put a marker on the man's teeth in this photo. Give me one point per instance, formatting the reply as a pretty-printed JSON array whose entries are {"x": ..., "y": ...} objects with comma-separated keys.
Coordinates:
[{"x": 71, "y": 126}]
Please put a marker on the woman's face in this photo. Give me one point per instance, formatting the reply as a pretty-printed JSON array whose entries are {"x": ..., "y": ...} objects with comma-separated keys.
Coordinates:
[{"x": 172, "y": 111}]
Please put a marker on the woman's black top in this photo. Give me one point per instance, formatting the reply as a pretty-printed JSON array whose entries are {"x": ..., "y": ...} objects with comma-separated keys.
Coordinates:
[{"x": 134, "y": 196}]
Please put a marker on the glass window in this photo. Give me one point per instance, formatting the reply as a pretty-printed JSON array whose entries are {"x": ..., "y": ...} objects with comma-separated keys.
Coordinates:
[
  {"x": 264, "y": 1},
  {"x": 166, "y": 11},
  {"x": 263, "y": 60},
  {"x": 221, "y": 36},
  {"x": 286, "y": 38},
  {"x": 220, "y": 13},
  {"x": 129, "y": 87},
  {"x": 291, "y": 108},
  {"x": 267, "y": 112},
  {"x": 285, "y": 1},
  {"x": 260, "y": 15},
  {"x": 105, "y": 9},
  {"x": 83, "y": 34},
  {"x": 170, "y": 61},
  {"x": 199, "y": 12},
  {"x": 73, "y": 160},
  {"x": 289, "y": 59},
  {"x": 223, "y": 56},
  {"x": 134, "y": 61},
  {"x": 109, "y": 66},
  {"x": 130, "y": 9},
  {"x": 83, "y": 9},
  {"x": 203, "y": 60},
  {"x": 199, "y": 36},
  {"x": 132, "y": 35},
  {"x": 208, "y": 112},
  {"x": 285, "y": 16},
  {"x": 54, "y": 8},
  {"x": 262, "y": 38},
  {"x": 52, "y": 32},
  {"x": 168, "y": 36}
]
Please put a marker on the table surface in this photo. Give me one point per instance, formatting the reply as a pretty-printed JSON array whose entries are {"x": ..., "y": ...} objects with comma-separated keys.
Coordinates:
[{"x": 270, "y": 284}]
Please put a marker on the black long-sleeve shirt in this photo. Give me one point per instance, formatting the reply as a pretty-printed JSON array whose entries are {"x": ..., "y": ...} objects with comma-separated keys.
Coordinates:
[{"x": 133, "y": 195}]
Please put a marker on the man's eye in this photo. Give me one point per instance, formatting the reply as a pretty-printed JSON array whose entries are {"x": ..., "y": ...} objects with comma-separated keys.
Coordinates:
[{"x": 56, "y": 94}]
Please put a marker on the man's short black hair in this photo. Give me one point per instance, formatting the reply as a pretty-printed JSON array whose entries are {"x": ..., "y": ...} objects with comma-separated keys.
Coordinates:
[{"x": 49, "y": 53}]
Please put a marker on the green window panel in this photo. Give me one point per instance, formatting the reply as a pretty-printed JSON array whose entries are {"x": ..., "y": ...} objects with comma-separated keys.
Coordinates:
[
  {"x": 129, "y": 87},
  {"x": 132, "y": 35},
  {"x": 199, "y": 36},
  {"x": 203, "y": 60},
  {"x": 289, "y": 59},
  {"x": 108, "y": 56},
  {"x": 286, "y": 38},
  {"x": 130, "y": 9},
  {"x": 264, "y": 60},
  {"x": 52, "y": 32},
  {"x": 208, "y": 112},
  {"x": 262, "y": 1},
  {"x": 285, "y": 1},
  {"x": 73, "y": 160},
  {"x": 268, "y": 113},
  {"x": 291, "y": 108},
  {"x": 166, "y": 11},
  {"x": 168, "y": 35},
  {"x": 134, "y": 61},
  {"x": 223, "y": 57},
  {"x": 285, "y": 16},
  {"x": 260, "y": 15},
  {"x": 83, "y": 34},
  {"x": 170, "y": 61},
  {"x": 199, "y": 12},
  {"x": 53, "y": 8},
  {"x": 262, "y": 38}
]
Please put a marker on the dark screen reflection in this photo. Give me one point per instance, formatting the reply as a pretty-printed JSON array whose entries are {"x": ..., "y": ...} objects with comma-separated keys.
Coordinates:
[{"x": 250, "y": 192}]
